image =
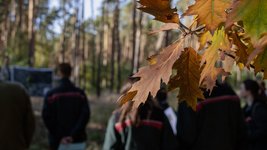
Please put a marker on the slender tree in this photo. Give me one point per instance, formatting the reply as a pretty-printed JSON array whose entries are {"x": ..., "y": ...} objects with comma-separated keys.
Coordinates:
[
  {"x": 31, "y": 33},
  {"x": 134, "y": 37},
  {"x": 100, "y": 54},
  {"x": 118, "y": 44}
]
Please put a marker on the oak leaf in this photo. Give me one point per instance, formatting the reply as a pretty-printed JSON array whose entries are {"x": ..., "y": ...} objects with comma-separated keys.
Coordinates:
[
  {"x": 187, "y": 77},
  {"x": 260, "y": 63},
  {"x": 166, "y": 27},
  {"x": 152, "y": 75},
  {"x": 204, "y": 40},
  {"x": 241, "y": 48},
  {"x": 220, "y": 43},
  {"x": 209, "y": 12},
  {"x": 253, "y": 14},
  {"x": 259, "y": 47},
  {"x": 161, "y": 9}
]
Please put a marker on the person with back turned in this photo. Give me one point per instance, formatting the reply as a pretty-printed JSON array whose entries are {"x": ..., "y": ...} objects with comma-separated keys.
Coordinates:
[
  {"x": 217, "y": 123},
  {"x": 144, "y": 128},
  {"x": 66, "y": 111},
  {"x": 255, "y": 113},
  {"x": 17, "y": 120}
]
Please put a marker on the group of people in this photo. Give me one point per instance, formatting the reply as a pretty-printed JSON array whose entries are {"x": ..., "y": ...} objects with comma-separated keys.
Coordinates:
[{"x": 218, "y": 123}]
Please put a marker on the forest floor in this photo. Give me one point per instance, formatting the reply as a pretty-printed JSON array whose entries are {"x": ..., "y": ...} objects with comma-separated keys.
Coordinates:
[{"x": 101, "y": 109}]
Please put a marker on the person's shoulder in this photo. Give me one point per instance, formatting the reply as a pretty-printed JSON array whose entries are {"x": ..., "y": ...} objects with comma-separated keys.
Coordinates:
[
  {"x": 77, "y": 89},
  {"x": 52, "y": 91},
  {"x": 14, "y": 85},
  {"x": 260, "y": 107}
]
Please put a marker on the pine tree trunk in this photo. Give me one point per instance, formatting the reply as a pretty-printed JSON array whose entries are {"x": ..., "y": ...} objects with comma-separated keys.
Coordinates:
[
  {"x": 134, "y": 37},
  {"x": 63, "y": 47},
  {"x": 101, "y": 45},
  {"x": 140, "y": 32},
  {"x": 83, "y": 81},
  {"x": 113, "y": 50},
  {"x": 118, "y": 44},
  {"x": 31, "y": 34}
]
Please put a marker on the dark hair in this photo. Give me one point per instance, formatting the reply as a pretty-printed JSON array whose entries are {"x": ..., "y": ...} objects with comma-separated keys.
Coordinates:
[
  {"x": 162, "y": 94},
  {"x": 65, "y": 69},
  {"x": 221, "y": 89},
  {"x": 135, "y": 114},
  {"x": 253, "y": 87}
]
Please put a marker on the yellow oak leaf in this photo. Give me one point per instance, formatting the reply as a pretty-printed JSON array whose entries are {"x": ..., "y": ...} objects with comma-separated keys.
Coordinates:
[
  {"x": 211, "y": 56},
  {"x": 205, "y": 39},
  {"x": 209, "y": 12}
]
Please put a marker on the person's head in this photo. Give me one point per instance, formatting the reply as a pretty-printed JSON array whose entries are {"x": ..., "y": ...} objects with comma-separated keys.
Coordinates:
[
  {"x": 249, "y": 90},
  {"x": 64, "y": 70},
  {"x": 162, "y": 96}
]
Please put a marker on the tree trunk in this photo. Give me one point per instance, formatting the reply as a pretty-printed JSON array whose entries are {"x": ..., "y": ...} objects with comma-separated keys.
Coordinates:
[
  {"x": 31, "y": 34},
  {"x": 134, "y": 69},
  {"x": 20, "y": 13},
  {"x": 140, "y": 32},
  {"x": 84, "y": 79},
  {"x": 93, "y": 49},
  {"x": 101, "y": 45},
  {"x": 118, "y": 44},
  {"x": 113, "y": 49},
  {"x": 63, "y": 44},
  {"x": 77, "y": 44}
]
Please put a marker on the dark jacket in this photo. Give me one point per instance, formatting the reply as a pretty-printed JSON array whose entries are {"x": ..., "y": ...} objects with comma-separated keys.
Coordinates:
[
  {"x": 154, "y": 133},
  {"x": 217, "y": 125},
  {"x": 66, "y": 113},
  {"x": 256, "y": 121},
  {"x": 17, "y": 119}
]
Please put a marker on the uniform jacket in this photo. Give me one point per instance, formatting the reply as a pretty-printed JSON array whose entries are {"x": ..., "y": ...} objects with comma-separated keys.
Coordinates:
[
  {"x": 216, "y": 125},
  {"x": 66, "y": 113},
  {"x": 153, "y": 133},
  {"x": 17, "y": 119},
  {"x": 256, "y": 123}
]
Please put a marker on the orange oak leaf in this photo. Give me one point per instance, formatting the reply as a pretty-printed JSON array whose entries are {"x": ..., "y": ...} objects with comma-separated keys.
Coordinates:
[
  {"x": 211, "y": 56},
  {"x": 241, "y": 48},
  {"x": 209, "y": 12},
  {"x": 152, "y": 75},
  {"x": 161, "y": 9},
  {"x": 166, "y": 27},
  {"x": 187, "y": 77}
]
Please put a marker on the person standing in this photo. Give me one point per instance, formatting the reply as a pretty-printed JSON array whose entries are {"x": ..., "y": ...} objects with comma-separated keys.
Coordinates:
[
  {"x": 255, "y": 113},
  {"x": 162, "y": 97},
  {"x": 17, "y": 119},
  {"x": 217, "y": 123},
  {"x": 144, "y": 128},
  {"x": 66, "y": 111}
]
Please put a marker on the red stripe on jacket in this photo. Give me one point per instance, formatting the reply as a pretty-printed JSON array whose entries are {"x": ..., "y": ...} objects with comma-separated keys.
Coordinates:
[
  {"x": 152, "y": 123},
  {"x": 216, "y": 100},
  {"x": 57, "y": 96}
]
